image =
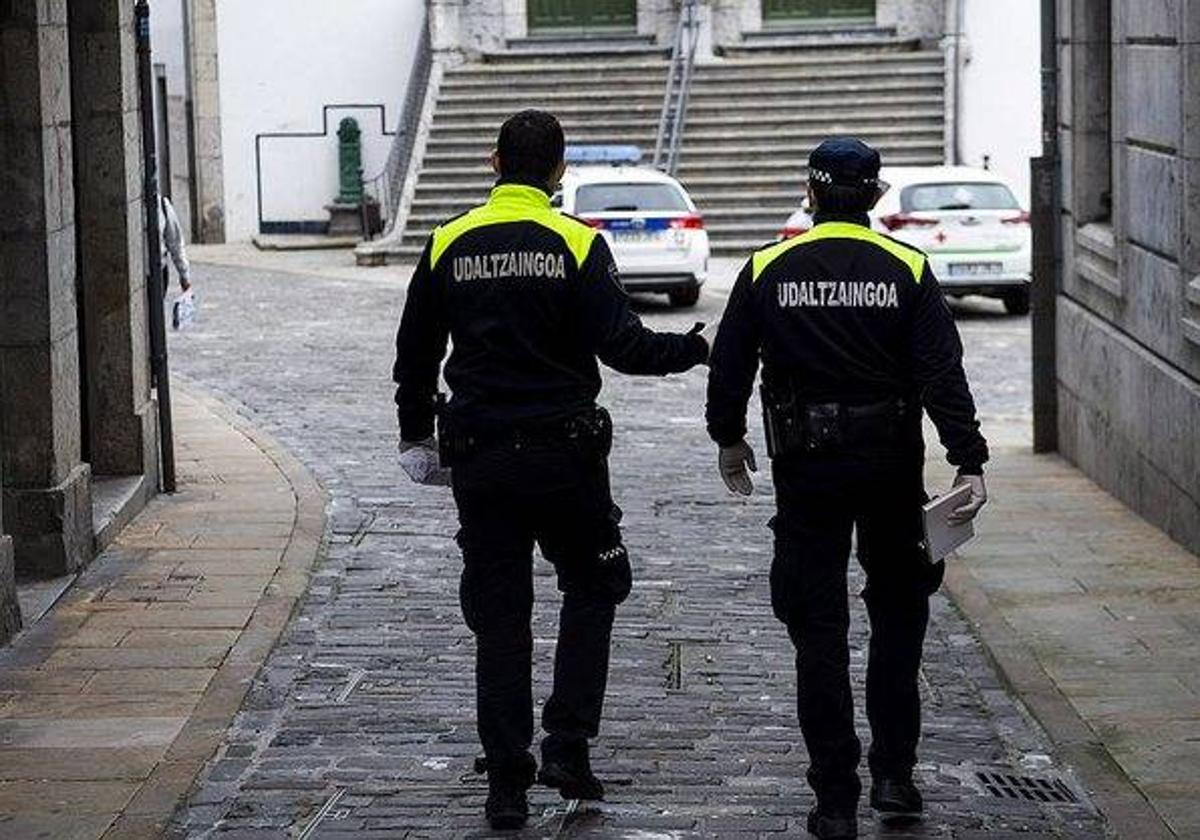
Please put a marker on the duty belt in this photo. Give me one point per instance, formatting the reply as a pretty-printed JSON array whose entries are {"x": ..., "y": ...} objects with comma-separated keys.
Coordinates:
[
  {"x": 793, "y": 425},
  {"x": 591, "y": 427}
]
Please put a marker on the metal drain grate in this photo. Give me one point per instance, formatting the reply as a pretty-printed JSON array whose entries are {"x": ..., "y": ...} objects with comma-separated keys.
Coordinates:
[
  {"x": 674, "y": 665},
  {"x": 1032, "y": 788}
]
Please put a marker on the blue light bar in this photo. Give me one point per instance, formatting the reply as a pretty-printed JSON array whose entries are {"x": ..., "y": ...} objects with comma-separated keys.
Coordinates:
[{"x": 602, "y": 154}]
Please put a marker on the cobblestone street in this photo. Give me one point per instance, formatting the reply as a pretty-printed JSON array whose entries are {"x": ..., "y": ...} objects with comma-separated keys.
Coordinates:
[{"x": 361, "y": 723}]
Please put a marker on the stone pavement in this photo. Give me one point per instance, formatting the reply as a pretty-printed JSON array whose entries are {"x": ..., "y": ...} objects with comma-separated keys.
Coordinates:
[
  {"x": 1094, "y": 616},
  {"x": 112, "y": 703},
  {"x": 361, "y": 723}
]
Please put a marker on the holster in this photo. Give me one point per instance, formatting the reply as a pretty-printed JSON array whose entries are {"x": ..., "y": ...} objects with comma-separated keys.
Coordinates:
[
  {"x": 589, "y": 430},
  {"x": 793, "y": 425}
]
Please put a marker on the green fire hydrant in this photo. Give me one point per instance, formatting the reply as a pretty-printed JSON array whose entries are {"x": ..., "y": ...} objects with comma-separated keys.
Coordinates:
[{"x": 350, "y": 186}]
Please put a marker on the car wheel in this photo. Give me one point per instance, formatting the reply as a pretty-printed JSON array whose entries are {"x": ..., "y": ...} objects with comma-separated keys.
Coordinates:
[
  {"x": 685, "y": 297},
  {"x": 1016, "y": 302}
]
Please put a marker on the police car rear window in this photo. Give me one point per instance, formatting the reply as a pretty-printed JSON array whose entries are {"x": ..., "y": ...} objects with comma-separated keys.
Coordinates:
[
  {"x": 968, "y": 196},
  {"x": 629, "y": 198}
]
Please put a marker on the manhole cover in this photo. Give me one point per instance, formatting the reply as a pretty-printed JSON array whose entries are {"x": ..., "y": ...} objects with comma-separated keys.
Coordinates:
[{"x": 1048, "y": 789}]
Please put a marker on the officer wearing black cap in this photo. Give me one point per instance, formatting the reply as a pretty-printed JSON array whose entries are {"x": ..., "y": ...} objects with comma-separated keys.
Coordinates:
[
  {"x": 855, "y": 339},
  {"x": 531, "y": 298}
]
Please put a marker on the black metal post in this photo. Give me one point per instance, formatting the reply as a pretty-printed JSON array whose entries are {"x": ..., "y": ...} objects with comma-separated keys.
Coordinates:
[
  {"x": 1046, "y": 180},
  {"x": 155, "y": 281}
]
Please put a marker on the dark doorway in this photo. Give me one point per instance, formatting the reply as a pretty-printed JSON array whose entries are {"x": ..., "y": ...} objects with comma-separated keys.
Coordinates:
[
  {"x": 162, "y": 129},
  {"x": 788, "y": 11},
  {"x": 618, "y": 15}
]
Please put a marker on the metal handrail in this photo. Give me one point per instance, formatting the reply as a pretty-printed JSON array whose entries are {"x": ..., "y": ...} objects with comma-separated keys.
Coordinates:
[
  {"x": 678, "y": 90},
  {"x": 388, "y": 185}
]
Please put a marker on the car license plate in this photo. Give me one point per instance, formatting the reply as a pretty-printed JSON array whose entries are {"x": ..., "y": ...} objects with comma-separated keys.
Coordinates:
[
  {"x": 975, "y": 269},
  {"x": 633, "y": 236}
]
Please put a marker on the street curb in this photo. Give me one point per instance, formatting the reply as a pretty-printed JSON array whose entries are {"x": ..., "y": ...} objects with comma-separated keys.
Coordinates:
[
  {"x": 152, "y": 807},
  {"x": 1129, "y": 813}
]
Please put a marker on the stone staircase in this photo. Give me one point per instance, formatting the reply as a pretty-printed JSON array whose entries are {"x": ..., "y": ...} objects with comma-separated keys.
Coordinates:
[{"x": 754, "y": 116}]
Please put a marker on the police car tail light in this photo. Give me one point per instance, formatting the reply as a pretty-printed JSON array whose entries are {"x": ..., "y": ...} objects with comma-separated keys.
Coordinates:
[
  {"x": 596, "y": 223},
  {"x": 899, "y": 221},
  {"x": 693, "y": 221},
  {"x": 1021, "y": 218}
]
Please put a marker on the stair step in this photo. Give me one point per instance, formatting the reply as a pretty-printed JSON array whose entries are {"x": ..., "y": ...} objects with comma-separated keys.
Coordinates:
[
  {"x": 697, "y": 158},
  {"x": 848, "y": 95},
  {"x": 744, "y": 117},
  {"x": 602, "y": 86},
  {"x": 747, "y": 122},
  {"x": 696, "y": 177},
  {"x": 550, "y": 51},
  {"x": 586, "y": 40},
  {"x": 790, "y": 41},
  {"x": 752, "y": 120},
  {"x": 827, "y": 31},
  {"x": 742, "y": 246},
  {"x": 756, "y": 64},
  {"x": 726, "y": 230}
]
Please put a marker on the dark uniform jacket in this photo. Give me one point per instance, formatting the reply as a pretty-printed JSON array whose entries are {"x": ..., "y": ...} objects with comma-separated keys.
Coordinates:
[
  {"x": 531, "y": 297},
  {"x": 843, "y": 314}
]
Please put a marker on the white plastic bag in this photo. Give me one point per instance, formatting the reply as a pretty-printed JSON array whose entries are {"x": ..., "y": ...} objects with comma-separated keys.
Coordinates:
[{"x": 183, "y": 310}]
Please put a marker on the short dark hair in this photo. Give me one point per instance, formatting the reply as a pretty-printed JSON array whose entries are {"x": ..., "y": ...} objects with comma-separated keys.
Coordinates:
[
  {"x": 840, "y": 198},
  {"x": 531, "y": 146}
]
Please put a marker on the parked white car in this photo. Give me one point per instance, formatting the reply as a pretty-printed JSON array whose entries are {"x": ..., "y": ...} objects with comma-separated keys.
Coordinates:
[
  {"x": 968, "y": 221},
  {"x": 650, "y": 222}
]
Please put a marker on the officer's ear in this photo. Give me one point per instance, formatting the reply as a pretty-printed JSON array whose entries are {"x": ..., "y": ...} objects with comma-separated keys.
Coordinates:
[
  {"x": 495, "y": 159},
  {"x": 557, "y": 175},
  {"x": 812, "y": 199}
]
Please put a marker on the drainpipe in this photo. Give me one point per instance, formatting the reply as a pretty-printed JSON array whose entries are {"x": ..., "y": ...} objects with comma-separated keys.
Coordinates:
[
  {"x": 189, "y": 99},
  {"x": 954, "y": 9},
  {"x": 1046, "y": 212},
  {"x": 154, "y": 284}
]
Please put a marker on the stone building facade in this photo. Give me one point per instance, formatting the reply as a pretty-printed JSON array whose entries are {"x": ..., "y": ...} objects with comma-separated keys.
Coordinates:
[
  {"x": 476, "y": 26},
  {"x": 77, "y": 415},
  {"x": 1128, "y": 309}
]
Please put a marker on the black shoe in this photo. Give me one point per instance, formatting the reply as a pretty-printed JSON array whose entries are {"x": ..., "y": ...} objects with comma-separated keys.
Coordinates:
[
  {"x": 896, "y": 799},
  {"x": 572, "y": 778},
  {"x": 832, "y": 826},
  {"x": 507, "y": 807}
]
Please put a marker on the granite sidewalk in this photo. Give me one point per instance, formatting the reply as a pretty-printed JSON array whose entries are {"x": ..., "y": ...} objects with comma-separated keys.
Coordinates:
[
  {"x": 1092, "y": 616},
  {"x": 113, "y": 702}
]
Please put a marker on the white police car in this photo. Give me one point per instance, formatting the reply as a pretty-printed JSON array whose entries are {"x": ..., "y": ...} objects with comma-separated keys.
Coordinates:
[
  {"x": 966, "y": 220},
  {"x": 654, "y": 230}
]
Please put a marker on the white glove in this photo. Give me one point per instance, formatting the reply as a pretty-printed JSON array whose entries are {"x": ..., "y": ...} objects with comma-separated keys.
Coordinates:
[
  {"x": 736, "y": 463},
  {"x": 709, "y": 334},
  {"x": 420, "y": 460},
  {"x": 977, "y": 499}
]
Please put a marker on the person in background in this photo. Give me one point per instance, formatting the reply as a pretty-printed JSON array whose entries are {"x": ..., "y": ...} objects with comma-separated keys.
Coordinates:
[{"x": 170, "y": 237}]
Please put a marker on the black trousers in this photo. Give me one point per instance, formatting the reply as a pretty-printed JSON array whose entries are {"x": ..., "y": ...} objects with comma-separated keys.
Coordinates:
[
  {"x": 821, "y": 499},
  {"x": 557, "y": 496}
]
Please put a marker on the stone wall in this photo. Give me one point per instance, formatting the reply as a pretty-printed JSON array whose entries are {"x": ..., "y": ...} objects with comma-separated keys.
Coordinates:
[
  {"x": 10, "y": 610},
  {"x": 46, "y": 498},
  {"x": 923, "y": 19},
  {"x": 71, "y": 280},
  {"x": 1129, "y": 310},
  {"x": 206, "y": 116},
  {"x": 106, "y": 129},
  {"x": 475, "y": 26}
]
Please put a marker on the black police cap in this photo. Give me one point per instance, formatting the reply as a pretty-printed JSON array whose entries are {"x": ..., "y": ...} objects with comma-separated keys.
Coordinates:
[{"x": 845, "y": 161}]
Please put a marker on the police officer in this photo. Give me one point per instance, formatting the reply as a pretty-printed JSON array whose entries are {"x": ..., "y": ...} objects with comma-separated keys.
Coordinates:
[
  {"x": 531, "y": 298},
  {"x": 855, "y": 339}
]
